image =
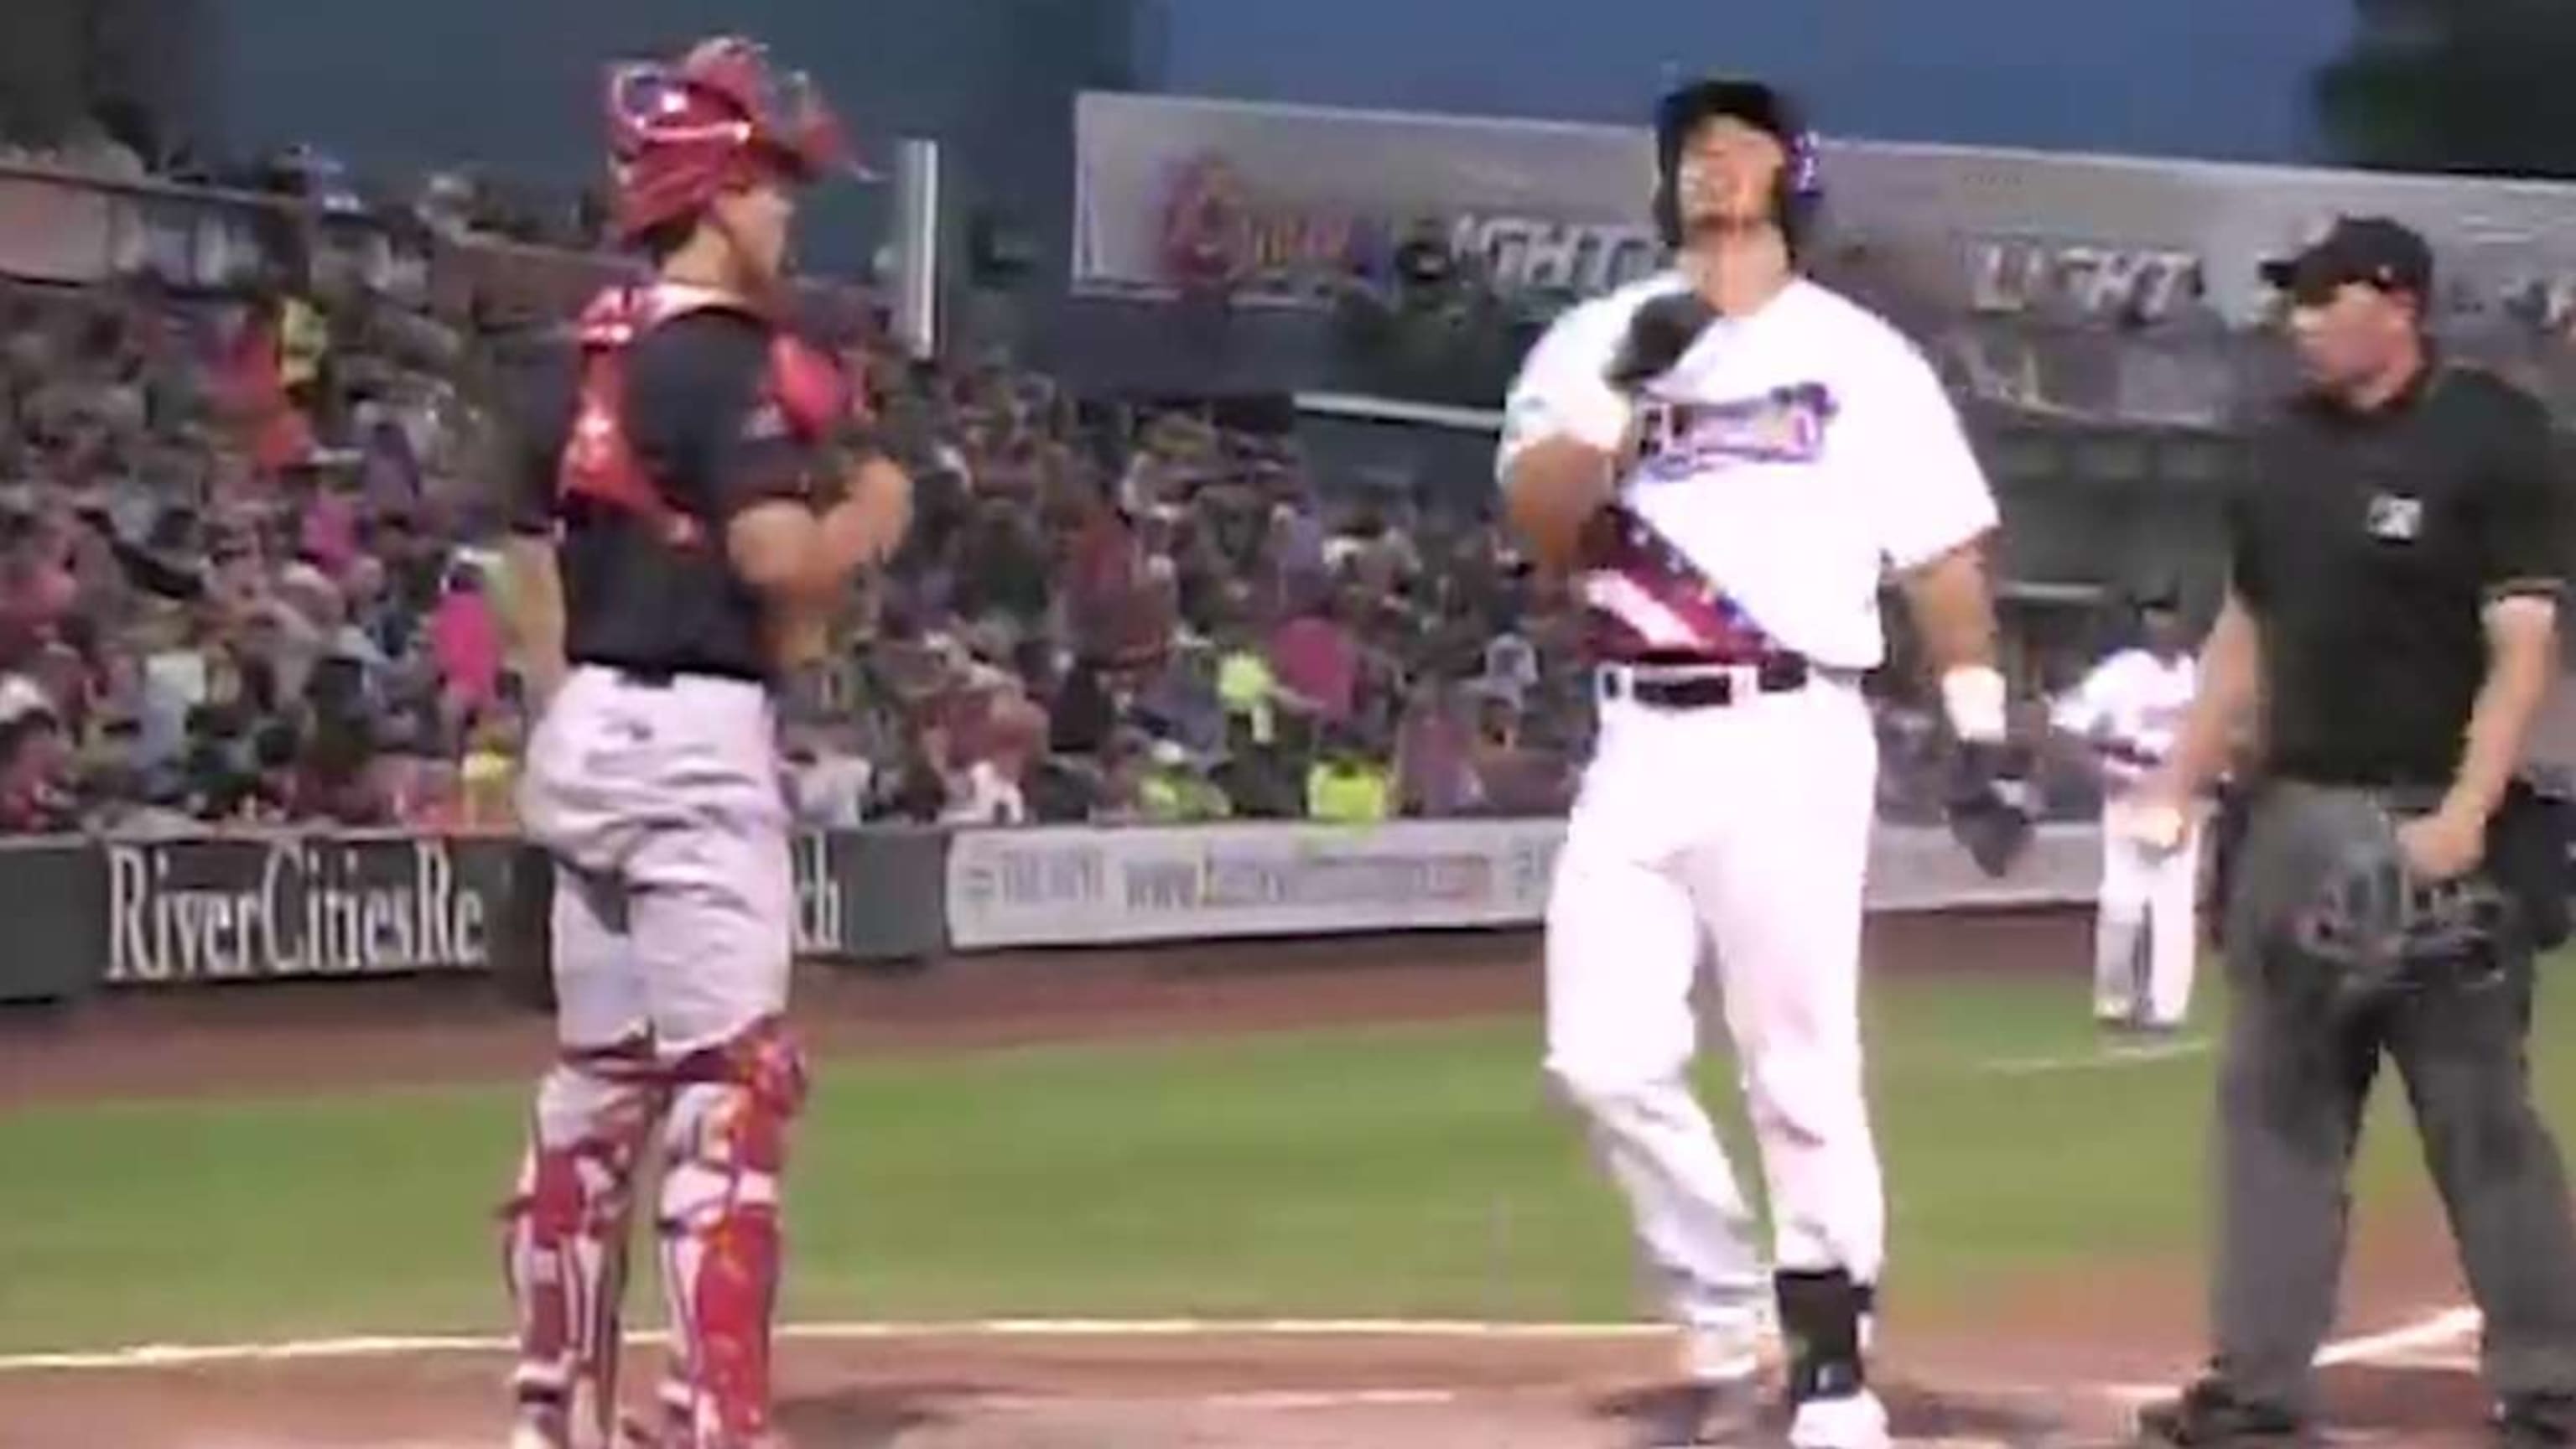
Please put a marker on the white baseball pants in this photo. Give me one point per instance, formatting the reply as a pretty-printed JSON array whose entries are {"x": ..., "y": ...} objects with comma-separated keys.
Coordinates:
[
  {"x": 2147, "y": 915},
  {"x": 1745, "y": 828},
  {"x": 675, "y": 897}
]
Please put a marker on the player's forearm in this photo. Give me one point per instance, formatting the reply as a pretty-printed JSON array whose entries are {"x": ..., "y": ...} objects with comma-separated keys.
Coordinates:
[
  {"x": 865, "y": 528},
  {"x": 536, "y": 613},
  {"x": 2521, "y": 660},
  {"x": 1953, "y": 610},
  {"x": 1553, "y": 486},
  {"x": 1954, "y": 615},
  {"x": 2229, "y": 688}
]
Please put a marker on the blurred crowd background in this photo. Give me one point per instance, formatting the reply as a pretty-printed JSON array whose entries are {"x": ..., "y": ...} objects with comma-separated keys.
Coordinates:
[
  {"x": 248, "y": 575},
  {"x": 249, "y": 518}
]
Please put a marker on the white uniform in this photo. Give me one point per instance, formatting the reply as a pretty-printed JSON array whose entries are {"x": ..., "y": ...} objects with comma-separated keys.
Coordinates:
[
  {"x": 1804, "y": 448},
  {"x": 2130, "y": 709}
]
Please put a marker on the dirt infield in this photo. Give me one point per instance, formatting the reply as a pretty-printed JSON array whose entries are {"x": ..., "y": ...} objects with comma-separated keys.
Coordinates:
[{"x": 2046, "y": 1367}]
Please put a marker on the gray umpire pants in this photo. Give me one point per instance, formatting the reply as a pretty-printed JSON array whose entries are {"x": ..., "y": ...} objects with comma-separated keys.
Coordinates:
[{"x": 2304, "y": 1043}]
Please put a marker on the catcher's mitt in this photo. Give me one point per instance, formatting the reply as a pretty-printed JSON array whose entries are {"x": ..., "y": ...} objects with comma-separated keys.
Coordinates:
[{"x": 1989, "y": 811}]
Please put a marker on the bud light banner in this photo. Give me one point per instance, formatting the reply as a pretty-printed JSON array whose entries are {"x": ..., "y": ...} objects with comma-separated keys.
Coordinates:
[{"x": 1287, "y": 204}]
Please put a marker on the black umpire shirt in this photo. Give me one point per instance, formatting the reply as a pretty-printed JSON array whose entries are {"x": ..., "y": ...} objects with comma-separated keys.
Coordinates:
[
  {"x": 696, "y": 417},
  {"x": 2367, "y": 546}
]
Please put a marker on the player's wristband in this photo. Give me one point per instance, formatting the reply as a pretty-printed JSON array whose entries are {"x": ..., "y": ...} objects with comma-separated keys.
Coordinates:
[{"x": 1972, "y": 695}]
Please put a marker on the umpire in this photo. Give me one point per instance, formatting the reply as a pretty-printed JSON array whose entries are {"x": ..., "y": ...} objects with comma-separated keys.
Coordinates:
[{"x": 2396, "y": 568}]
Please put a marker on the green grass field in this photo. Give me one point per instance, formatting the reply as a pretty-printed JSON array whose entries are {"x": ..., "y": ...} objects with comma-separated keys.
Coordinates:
[{"x": 1411, "y": 1171}]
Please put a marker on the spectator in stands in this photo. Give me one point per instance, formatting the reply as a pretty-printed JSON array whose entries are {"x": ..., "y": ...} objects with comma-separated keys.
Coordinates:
[
  {"x": 1180, "y": 700},
  {"x": 1245, "y": 684},
  {"x": 830, "y": 775},
  {"x": 1177, "y": 788},
  {"x": 487, "y": 777},
  {"x": 1433, "y": 768},
  {"x": 35, "y": 768},
  {"x": 1510, "y": 664},
  {"x": 465, "y": 643},
  {"x": 1344, "y": 786},
  {"x": 1317, "y": 661}
]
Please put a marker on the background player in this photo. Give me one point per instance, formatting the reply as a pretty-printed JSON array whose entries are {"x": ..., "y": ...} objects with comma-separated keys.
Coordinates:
[
  {"x": 2125, "y": 715},
  {"x": 671, "y": 516},
  {"x": 1727, "y": 457}
]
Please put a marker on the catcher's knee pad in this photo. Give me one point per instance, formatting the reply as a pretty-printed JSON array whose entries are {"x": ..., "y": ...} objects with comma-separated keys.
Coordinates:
[
  {"x": 565, "y": 1226},
  {"x": 725, "y": 1146},
  {"x": 1823, "y": 1315}
]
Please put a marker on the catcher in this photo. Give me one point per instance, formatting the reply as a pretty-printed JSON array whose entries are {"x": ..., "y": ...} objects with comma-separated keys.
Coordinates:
[{"x": 695, "y": 505}]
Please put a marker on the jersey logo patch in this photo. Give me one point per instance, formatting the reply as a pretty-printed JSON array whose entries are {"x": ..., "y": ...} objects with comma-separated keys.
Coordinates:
[
  {"x": 2395, "y": 518},
  {"x": 1784, "y": 425}
]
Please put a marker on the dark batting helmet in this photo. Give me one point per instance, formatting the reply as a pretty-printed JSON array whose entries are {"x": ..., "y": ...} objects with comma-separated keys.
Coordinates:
[{"x": 1766, "y": 109}]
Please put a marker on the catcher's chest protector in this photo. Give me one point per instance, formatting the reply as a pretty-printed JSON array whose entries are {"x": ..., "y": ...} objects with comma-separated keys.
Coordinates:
[{"x": 803, "y": 388}]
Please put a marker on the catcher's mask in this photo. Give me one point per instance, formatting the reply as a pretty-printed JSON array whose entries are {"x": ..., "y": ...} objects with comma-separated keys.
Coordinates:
[
  {"x": 722, "y": 117},
  {"x": 1800, "y": 187}
]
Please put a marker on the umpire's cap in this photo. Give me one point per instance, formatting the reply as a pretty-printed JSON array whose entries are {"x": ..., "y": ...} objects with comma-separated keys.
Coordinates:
[
  {"x": 2371, "y": 250},
  {"x": 1764, "y": 107}
]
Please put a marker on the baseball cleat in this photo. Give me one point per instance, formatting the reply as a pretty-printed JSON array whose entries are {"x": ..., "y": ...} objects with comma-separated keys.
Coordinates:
[
  {"x": 1701, "y": 1414},
  {"x": 528, "y": 1435},
  {"x": 2537, "y": 1422},
  {"x": 2208, "y": 1416},
  {"x": 1848, "y": 1421}
]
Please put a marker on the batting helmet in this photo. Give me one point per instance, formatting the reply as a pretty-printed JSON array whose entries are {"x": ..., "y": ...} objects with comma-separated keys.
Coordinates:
[
  {"x": 722, "y": 117},
  {"x": 1766, "y": 109}
]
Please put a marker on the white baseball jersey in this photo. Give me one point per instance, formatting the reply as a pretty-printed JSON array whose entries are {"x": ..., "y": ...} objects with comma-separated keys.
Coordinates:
[
  {"x": 1792, "y": 455},
  {"x": 2132, "y": 705}
]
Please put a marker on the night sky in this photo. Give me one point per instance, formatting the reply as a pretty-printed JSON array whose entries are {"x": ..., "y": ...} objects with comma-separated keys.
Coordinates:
[
  {"x": 509, "y": 81},
  {"x": 2215, "y": 78}
]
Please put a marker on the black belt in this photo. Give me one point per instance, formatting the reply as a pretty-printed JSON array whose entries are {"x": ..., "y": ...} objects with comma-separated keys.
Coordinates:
[{"x": 1714, "y": 686}]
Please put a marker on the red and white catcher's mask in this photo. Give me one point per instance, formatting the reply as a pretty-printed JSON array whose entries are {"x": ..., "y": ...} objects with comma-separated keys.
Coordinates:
[{"x": 722, "y": 117}]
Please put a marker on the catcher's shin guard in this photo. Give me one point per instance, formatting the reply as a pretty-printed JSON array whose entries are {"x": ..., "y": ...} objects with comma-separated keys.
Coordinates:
[
  {"x": 565, "y": 1232},
  {"x": 725, "y": 1145}
]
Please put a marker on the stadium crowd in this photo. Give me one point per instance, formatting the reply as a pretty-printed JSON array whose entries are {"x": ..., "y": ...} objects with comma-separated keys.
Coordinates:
[{"x": 248, "y": 576}]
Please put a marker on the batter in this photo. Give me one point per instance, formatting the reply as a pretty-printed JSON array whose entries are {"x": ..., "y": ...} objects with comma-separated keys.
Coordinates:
[
  {"x": 1726, "y": 459},
  {"x": 693, "y": 505}
]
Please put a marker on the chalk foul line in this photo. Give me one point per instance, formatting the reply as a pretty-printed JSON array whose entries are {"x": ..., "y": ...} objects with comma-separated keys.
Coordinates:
[
  {"x": 2395, "y": 1348},
  {"x": 2110, "y": 1060},
  {"x": 376, "y": 1346}
]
